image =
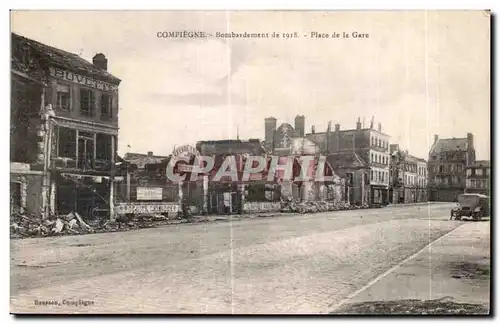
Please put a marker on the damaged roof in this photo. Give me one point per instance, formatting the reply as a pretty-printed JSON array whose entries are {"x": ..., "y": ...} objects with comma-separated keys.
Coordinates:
[
  {"x": 449, "y": 144},
  {"x": 346, "y": 160},
  {"x": 55, "y": 57},
  {"x": 253, "y": 147},
  {"x": 141, "y": 160}
]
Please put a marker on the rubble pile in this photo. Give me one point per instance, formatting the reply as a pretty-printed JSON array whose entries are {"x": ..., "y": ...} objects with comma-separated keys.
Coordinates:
[
  {"x": 293, "y": 205},
  {"x": 25, "y": 225},
  {"x": 130, "y": 222}
]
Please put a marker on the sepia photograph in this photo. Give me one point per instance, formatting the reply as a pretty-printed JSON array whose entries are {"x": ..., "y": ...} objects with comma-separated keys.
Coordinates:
[{"x": 267, "y": 162}]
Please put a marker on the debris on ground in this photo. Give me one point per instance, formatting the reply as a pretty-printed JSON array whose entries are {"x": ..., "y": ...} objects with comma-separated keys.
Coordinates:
[
  {"x": 24, "y": 225},
  {"x": 442, "y": 306},
  {"x": 294, "y": 205}
]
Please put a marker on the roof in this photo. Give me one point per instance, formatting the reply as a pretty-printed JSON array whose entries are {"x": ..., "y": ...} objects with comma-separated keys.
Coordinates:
[
  {"x": 56, "y": 57},
  {"x": 449, "y": 144},
  {"x": 252, "y": 146},
  {"x": 346, "y": 160},
  {"x": 350, "y": 131},
  {"x": 141, "y": 160}
]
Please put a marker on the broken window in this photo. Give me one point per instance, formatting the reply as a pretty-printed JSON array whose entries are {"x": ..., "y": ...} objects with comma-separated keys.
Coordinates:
[
  {"x": 87, "y": 102},
  {"x": 63, "y": 97},
  {"x": 103, "y": 147},
  {"x": 67, "y": 142},
  {"x": 85, "y": 150},
  {"x": 106, "y": 101},
  {"x": 15, "y": 195}
]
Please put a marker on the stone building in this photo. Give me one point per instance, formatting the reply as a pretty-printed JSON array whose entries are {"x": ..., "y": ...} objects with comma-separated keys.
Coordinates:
[
  {"x": 287, "y": 140},
  {"x": 64, "y": 125},
  {"x": 370, "y": 145},
  {"x": 448, "y": 158},
  {"x": 408, "y": 177},
  {"x": 478, "y": 177}
]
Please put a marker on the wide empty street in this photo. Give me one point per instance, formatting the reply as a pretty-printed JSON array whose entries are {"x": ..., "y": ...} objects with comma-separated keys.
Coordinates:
[{"x": 284, "y": 264}]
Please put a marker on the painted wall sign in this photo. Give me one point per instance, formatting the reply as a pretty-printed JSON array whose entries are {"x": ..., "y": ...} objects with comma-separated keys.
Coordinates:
[
  {"x": 141, "y": 208},
  {"x": 146, "y": 193},
  {"x": 82, "y": 80},
  {"x": 256, "y": 207}
]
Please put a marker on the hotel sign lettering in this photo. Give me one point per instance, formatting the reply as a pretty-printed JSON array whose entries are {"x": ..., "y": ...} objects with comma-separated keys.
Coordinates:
[{"x": 82, "y": 80}]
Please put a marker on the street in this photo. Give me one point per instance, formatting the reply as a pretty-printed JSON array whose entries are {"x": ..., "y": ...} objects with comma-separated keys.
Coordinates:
[{"x": 271, "y": 265}]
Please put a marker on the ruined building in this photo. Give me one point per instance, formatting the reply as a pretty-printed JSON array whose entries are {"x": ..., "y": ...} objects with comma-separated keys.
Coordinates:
[{"x": 64, "y": 128}]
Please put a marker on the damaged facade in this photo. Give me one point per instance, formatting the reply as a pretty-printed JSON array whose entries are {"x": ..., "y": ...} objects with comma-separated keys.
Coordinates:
[
  {"x": 408, "y": 177},
  {"x": 146, "y": 188},
  {"x": 64, "y": 127},
  {"x": 370, "y": 147}
]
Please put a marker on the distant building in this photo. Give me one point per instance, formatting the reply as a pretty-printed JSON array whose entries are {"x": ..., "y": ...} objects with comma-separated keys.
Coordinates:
[
  {"x": 408, "y": 177},
  {"x": 141, "y": 160},
  {"x": 478, "y": 178},
  {"x": 448, "y": 158},
  {"x": 370, "y": 145}
]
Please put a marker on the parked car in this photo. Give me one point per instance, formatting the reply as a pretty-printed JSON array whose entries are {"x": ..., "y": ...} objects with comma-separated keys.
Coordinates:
[{"x": 471, "y": 205}]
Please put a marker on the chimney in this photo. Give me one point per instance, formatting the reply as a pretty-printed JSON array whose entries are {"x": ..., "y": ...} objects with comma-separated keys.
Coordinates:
[
  {"x": 371, "y": 122},
  {"x": 150, "y": 154},
  {"x": 358, "y": 124},
  {"x": 436, "y": 137},
  {"x": 313, "y": 129},
  {"x": 100, "y": 61},
  {"x": 337, "y": 127},
  {"x": 300, "y": 123},
  {"x": 329, "y": 129},
  {"x": 270, "y": 128},
  {"x": 470, "y": 141},
  {"x": 379, "y": 127}
]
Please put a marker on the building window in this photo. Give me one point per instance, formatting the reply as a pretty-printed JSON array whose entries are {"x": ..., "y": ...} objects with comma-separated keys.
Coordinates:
[
  {"x": 86, "y": 156},
  {"x": 103, "y": 147},
  {"x": 372, "y": 160},
  {"x": 372, "y": 178},
  {"x": 473, "y": 183},
  {"x": 67, "y": 142},
  {"x": 87, "y": 102},
  {"x": 487, "y": 171},
  {"x": 15, "y": 195},
  {"x": 479, "y": 172},
  {"x": 469, "y": 172},
  {"x": 106, "y": 101},
  {"x": 63, "y": 97},
  {"x": 459, "y": 168},
  {"x": 441, "y": 168}
]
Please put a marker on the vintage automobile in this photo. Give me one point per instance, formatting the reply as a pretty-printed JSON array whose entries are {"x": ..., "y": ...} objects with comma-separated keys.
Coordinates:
[{"x": 471, "y": 205}]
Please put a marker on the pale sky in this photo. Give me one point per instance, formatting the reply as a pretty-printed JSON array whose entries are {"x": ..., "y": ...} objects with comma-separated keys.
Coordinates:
[{"x": 419, "y": 73}]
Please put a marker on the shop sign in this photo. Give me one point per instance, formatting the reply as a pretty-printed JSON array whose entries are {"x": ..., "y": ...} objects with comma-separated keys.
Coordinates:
[{"x": 147, "y": 193}]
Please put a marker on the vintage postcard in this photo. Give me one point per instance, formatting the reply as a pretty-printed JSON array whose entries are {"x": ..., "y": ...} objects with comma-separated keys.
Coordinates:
[{"x": 250, "y": 162}]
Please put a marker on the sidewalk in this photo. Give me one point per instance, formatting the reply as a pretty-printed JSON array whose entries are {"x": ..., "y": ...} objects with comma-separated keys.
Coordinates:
[{"x": 455, "y": 270}]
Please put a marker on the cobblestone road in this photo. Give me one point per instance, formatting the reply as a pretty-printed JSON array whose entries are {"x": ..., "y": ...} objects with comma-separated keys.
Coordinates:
[{"x": 286, "y": 264}]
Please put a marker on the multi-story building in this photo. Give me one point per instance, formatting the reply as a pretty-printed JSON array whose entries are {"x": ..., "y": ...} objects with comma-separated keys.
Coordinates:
[
  {"x": 478, "y": 178},
  {"x": 64, "y": 125},
  {"x": 448, "y": 158},
  {"x": 370, "y": 145},
  {"x": 408, "y": 183},
  {"x": 422, "y": 194}
]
